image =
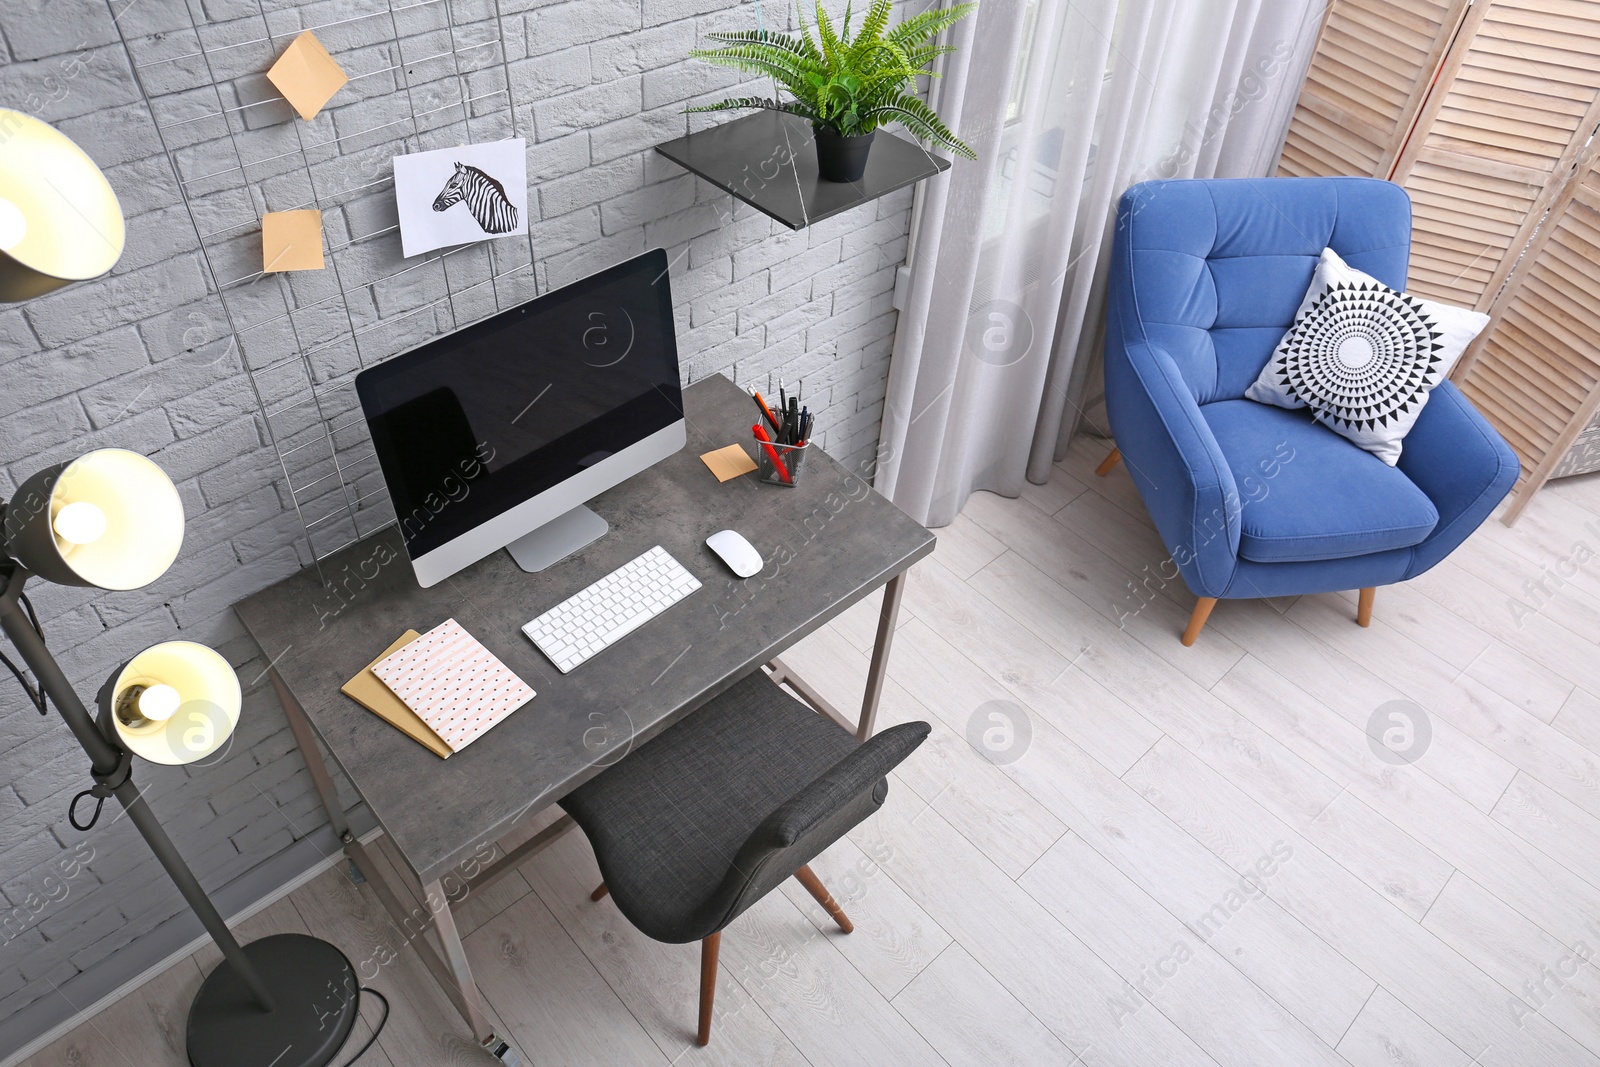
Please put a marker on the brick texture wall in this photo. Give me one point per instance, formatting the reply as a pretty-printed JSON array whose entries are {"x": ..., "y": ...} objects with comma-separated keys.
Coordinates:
[{"x": 148, "y": 358}]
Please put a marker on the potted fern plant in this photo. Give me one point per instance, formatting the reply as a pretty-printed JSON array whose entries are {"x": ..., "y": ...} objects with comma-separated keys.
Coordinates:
[{"x": 847, "y": 84}]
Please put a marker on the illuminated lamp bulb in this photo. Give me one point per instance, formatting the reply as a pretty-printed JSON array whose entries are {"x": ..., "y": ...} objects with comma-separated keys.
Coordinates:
[{"x": 80, "y": 523}]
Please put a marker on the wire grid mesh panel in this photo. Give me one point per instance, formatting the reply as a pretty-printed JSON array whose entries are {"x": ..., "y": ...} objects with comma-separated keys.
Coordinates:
[{"x": 424, "y": 74}]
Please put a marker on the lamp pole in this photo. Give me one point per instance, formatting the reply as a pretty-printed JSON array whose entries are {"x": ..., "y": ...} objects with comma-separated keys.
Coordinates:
[
  {"x": 283, "y": 1000},
  {"x": 112, "y": 767}
]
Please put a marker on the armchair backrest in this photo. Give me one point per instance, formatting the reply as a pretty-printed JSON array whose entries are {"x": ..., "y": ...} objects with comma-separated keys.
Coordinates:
[{"x": 1213, "y": 270}]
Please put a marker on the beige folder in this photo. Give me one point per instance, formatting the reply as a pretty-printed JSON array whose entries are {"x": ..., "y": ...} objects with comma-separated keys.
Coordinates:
[{"x": 368, "y": 691}]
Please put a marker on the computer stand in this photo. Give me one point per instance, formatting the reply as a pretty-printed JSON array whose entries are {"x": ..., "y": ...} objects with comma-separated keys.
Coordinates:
[{"x": 557, "y": 539}]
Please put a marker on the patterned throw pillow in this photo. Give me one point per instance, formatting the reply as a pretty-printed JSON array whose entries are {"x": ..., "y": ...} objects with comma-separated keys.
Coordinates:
[{"x": 1364, "y": 357}]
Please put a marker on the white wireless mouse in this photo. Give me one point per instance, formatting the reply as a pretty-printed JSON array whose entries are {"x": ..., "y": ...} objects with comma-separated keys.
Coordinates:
[{"x": 740, "y": 555}]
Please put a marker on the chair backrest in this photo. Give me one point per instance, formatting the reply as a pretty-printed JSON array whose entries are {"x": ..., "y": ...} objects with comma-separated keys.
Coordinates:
[
  {"x": 1213, "y": 270},
  {"x": 811, "y": 820}
]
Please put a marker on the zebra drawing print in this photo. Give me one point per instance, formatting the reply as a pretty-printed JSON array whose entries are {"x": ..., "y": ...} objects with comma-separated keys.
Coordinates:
[{"x": 484, "y": 197}]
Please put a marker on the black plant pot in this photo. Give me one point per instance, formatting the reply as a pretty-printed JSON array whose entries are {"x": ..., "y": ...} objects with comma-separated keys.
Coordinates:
[{"x": 842, "y": 159}]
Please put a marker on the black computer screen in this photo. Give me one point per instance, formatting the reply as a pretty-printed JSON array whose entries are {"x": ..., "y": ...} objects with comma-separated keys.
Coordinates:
[{"x": 478, "y": 421}]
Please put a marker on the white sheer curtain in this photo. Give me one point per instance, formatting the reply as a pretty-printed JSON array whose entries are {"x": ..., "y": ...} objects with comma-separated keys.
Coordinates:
[{"x": 1067, "y": 103}]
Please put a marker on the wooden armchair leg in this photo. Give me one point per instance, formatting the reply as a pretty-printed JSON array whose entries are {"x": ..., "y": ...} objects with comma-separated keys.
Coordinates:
[
  {"x": 708, "y": 985},
  {"x": 819, "y": 892},
  {"x": 1197, "y": 621},
  {"x": 600, "y": 892},
  {"x": 1109, "y": 464},
  {"x": 1364, "y": 606}
]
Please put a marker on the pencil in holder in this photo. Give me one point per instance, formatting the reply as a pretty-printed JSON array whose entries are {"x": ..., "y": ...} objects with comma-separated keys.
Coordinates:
[{"x": 792, "y": 457}]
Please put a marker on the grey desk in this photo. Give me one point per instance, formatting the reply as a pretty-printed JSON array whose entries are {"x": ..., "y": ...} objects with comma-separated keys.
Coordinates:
[{"x": 829, "y": 542}]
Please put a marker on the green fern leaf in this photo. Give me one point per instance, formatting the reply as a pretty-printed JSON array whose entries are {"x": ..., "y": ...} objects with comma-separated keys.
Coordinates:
[
  {"x": 759, "y": 102},
  {"x": 921, "y": 120},
  {"x": 805, "y": 31},
  {"x": 919, "y": 28},
  {"x": 872, "y": 27},
  {"x": 921, "y": 57},
  {"x": 831, "y": 45},
  {"x": 784, "y": 42},
  {"x": 785, "y": 67}
]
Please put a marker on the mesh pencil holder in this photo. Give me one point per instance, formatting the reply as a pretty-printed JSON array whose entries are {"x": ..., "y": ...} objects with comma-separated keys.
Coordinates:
[{"x": 793, "y": 457}]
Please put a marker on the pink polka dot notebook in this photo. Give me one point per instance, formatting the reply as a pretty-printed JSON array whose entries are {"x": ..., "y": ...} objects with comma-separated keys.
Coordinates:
[{"x": 453, "y": 683}]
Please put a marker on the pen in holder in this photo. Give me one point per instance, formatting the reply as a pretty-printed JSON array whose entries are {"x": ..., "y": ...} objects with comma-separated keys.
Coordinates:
[{"x": 792, "y": 457}]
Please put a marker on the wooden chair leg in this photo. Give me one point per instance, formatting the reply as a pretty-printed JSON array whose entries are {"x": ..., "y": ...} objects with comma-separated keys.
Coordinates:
[
  {"x": 1364, "y": 606},
  {"x": 819, "y": 892},
  {"x": 600, "y": 892},
  {"x": 708, "y": 984},
  {"x": 1197, "y": 621},
  {"x": 1109, "y": 464}
]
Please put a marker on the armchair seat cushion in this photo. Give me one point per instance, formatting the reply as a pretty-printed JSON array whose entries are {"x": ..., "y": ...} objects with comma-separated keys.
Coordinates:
[{"x": 1305, "y": 493}]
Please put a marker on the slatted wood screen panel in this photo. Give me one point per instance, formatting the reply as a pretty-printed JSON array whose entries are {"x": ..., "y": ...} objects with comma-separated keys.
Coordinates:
[
  {"x": 1536, "y": 375},
  {"x": 1366, "y": 84},
  {"x": 1486, "y": 114},
  {"x": 1497, "y": 141}
]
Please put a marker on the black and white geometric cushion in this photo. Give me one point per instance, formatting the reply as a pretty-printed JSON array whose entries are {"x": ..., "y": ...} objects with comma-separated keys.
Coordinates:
[{"x": 1363, "y": 356}]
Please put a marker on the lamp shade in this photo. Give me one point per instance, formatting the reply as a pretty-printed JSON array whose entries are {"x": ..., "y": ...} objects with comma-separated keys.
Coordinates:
[
  {"x": 110, "y": 518},
  {"x": 59, "y": 218},
  {"x": 174, "y": 703}
]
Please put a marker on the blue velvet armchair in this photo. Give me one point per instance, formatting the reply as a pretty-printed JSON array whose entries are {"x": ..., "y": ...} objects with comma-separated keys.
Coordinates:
[{"x": 1254, "y": 500}]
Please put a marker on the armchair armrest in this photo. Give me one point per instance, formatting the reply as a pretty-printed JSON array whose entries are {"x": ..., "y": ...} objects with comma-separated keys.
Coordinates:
[
  {"x": 1176, "y": 463},
  {"x": 1464, "y": 466}
]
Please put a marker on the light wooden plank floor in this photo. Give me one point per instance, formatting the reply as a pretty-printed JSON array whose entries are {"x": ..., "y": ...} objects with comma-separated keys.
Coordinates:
[{"x": 1112, "y": 849}]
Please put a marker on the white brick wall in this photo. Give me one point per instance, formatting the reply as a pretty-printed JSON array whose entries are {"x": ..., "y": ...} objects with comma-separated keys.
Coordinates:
[{"x": 143, "y": 359}]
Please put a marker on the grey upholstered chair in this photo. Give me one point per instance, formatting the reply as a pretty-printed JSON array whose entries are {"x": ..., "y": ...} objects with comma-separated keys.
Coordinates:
[{"x": 706, "y": 819}]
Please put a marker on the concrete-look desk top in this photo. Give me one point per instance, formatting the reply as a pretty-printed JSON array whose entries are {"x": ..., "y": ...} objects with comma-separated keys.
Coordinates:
[{"x": 828, "y": 543}]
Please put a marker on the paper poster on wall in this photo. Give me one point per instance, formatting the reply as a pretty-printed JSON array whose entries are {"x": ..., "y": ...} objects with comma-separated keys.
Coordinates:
[{"x": 455, "y": 196}]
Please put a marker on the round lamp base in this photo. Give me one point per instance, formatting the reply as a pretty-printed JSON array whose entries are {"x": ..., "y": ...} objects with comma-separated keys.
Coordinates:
[{"x": 317, "y": 1000}]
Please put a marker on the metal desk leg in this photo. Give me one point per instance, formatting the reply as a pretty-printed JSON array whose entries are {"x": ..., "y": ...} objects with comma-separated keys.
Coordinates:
[
  {"x": 451, "y": 970},
  {"x": 300, "y": 727},
  {"x": 452, "y": 973},
  {"x": 455, "y": 953},
  {"x": 782, "y": 674},
  {"x": 879, "y": 668}
]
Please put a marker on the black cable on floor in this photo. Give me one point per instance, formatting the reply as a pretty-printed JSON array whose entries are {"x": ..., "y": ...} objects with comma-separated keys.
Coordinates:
[{"x": 376, "y": 1030}]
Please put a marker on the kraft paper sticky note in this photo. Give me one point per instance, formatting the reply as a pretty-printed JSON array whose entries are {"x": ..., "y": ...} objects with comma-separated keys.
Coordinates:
[
  {"x": 366, "y": 689},
  {"x": 307, "y": 76},
  {"x": 729, "y": 462},
  {"x": 291, "y": 240}
]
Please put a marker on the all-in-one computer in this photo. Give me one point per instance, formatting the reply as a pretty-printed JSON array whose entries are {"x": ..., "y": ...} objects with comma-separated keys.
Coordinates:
[{"x": 494, "y": 437}]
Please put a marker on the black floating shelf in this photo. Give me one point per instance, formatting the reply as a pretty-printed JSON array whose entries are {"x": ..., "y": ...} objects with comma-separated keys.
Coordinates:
[{"x": 768, "y": 161}]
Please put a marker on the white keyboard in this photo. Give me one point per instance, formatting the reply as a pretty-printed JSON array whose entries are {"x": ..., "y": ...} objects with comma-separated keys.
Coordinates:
[{"x": 611, "y": 608}]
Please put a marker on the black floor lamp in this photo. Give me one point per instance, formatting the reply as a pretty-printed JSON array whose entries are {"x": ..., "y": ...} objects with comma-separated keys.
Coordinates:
[{"x": 111, "y": 519}]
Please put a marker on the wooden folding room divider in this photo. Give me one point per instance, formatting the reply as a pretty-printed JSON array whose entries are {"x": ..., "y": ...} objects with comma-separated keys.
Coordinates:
[{"x": 1485, "y": 111}]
